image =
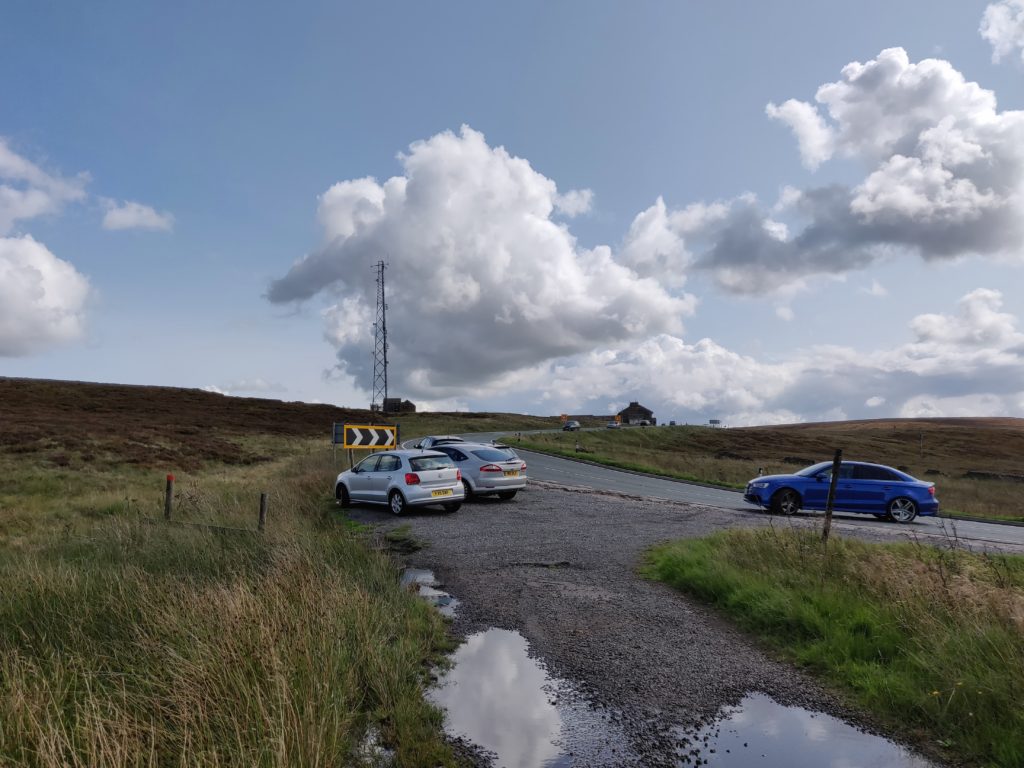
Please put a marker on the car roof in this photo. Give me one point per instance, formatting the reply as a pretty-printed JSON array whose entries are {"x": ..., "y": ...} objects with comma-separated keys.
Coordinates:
[
  {"x": 466, "y": 446},
  {"x": 407, "y": 452}
]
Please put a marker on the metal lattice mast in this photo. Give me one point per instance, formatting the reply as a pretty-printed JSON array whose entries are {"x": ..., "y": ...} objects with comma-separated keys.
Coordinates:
[{"x": 380, "y": 344}]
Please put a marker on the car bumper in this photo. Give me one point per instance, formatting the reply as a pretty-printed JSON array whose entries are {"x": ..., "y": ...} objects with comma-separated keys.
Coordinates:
[
  {"x": 420, "y": 497},
  {"x": 753, "y": 498},
  {"x": 499, "y": 484},
  {"x": 928, "y": 509}
]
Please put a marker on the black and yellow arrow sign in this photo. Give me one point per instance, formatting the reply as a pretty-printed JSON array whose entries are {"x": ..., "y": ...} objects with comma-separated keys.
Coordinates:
[{"x": 370, "y": 436}]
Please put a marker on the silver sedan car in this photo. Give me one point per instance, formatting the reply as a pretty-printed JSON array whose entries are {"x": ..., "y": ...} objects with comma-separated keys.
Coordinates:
[
  {"x": 402, "y": 479},
  {"x": 487, "y": 469}
]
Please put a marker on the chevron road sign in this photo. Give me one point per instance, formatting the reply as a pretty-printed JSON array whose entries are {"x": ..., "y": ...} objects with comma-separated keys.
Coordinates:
[{"x": 370, "y": 436}]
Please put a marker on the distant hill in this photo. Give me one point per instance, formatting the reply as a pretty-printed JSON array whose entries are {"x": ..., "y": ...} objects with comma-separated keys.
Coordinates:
[{"x": 172, "y": 427}]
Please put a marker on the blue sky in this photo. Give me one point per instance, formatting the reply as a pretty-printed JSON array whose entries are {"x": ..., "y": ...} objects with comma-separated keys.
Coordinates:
[{"x": 226, "y": 129}]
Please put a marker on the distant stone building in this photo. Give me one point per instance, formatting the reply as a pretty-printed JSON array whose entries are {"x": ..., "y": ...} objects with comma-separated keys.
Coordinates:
[
  {"x": 635, "y": 413},
  {"x": 398, "y": 405}
]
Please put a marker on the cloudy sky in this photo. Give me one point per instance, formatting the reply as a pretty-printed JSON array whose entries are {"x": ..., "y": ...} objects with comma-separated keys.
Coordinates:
[{"x": 756, "y": 212}]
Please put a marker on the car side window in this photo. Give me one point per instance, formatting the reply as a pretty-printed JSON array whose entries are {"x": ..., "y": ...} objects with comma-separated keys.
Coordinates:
[
  {"x": 389, "y": 464},
  {"x": 367, "y": 465},
  {"x": 874, "y": 473},
  {"x": 845, "y": 472}
]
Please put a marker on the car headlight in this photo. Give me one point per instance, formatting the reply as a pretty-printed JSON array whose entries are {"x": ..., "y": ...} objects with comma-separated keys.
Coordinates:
[{"x": 759, "y": 485}]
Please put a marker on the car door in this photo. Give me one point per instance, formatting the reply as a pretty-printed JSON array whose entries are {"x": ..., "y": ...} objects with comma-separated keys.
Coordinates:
[
  {"x": 872, "y": 486},
  {"x": 359, "y": 480},
  {"x": 816, "y": 493},
  {"x": 381, "y": 477}
]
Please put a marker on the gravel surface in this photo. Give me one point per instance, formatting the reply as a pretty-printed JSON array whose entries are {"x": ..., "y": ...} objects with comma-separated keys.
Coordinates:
[{"x": 559, "y": 565}]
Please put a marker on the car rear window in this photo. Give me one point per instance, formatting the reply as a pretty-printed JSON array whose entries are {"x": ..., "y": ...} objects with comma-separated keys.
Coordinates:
[
  {"x": 424, "y": 463},
  {"x": 495, "y": 454}
]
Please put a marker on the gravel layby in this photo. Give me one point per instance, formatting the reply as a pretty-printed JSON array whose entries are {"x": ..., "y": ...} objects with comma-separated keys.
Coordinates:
[{"x": 559, "y": 565}]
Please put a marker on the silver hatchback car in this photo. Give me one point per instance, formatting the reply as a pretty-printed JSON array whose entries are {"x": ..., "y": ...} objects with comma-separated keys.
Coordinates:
[
  {"x": 487, "y": 469},
  {"x": 402, "y": 479}
]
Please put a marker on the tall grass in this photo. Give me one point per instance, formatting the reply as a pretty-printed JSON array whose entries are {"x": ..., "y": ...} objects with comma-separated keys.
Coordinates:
[
  {"x": 130, "y": 643},
  {"x": 930, "y": 640}
]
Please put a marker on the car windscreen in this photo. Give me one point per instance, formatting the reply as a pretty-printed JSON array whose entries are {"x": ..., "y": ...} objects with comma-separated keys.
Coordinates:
[
  {"x": 813, "y": 469},
  {"x": 424, "y": 463},
  {"x": 495, "y": 454}
]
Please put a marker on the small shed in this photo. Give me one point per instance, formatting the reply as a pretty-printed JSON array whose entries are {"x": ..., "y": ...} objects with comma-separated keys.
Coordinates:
[{"x": 635, "y": 413}]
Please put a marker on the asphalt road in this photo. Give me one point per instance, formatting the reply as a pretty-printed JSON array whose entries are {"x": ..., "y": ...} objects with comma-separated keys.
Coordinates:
[{"x": 573, "y": 473}]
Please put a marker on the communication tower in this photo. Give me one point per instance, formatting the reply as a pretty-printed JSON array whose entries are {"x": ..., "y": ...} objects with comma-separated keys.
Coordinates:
[{"x": 380, "y": 344}]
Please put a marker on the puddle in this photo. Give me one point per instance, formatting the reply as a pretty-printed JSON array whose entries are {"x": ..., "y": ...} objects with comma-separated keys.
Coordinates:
[
  {"x": 426, "y": 587},
  {"x": 761, "y": 732},
  {"x": 499, "y": 698}
]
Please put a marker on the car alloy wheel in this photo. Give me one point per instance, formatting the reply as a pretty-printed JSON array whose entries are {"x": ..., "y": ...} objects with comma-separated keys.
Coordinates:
[
  {"x": 341, "y": 494},
  {"x": 902, "y": 510},
  {"x": 397, "y": 502},
  {"x": 467, "y": 489},
  {"x": 786, "y": 502}
]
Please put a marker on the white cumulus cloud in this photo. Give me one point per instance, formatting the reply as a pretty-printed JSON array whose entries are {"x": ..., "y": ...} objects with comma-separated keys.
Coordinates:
[
  {"x": 944, "y": 179},
  {"x": 1003, "y": 26},
  {"x": 42, "y": 298},
  {"x": 132, "y": 215},
  {"x": 484, "y": 285}
]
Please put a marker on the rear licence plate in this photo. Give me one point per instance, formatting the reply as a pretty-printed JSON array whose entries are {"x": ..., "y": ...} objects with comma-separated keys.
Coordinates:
[
  {"x": 446, "y": 492},
  {"x": 512, "y": 473}
]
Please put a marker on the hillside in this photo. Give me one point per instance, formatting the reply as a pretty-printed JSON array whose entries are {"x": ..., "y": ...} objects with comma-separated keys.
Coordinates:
[{"x": 82, "y": 422}]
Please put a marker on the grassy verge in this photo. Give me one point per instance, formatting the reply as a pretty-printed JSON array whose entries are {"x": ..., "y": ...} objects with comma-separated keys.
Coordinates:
[
  {"x": 130, "y": 643},
  {"x": 929, "y": 640}
]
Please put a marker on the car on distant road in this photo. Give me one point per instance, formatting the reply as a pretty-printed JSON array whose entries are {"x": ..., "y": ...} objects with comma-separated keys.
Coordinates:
[
  {"x": 488, "y": 469},
  {"x": 861, "y": 487},
  {"x": 431, "y": 441},
  {"x": 402, "y": 479},
  {"x": 613, "y": 425},
  {"x": 571, "y": 426}
]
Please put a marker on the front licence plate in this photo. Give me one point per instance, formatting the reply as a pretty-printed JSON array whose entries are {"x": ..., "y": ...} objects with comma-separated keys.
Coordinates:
[
  {"x": 446, "y": 492},
  {"x": 512, "y": 473}
]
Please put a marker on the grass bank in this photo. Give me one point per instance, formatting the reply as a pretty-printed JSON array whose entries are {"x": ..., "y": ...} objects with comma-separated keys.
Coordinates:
[
  {"x": 130, "y": 643},
  {"x": 928, "y": 640}
]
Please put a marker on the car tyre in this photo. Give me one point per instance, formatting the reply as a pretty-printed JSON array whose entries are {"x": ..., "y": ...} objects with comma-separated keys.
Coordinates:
[
  {"x": 467, "y": 489},
  {"x": 396, "y": 501},
  {"x": 902, "y": 509},
  {"x": 507, "y": 495},
  {"x": 341, "y": 495},
  {"x": 452, "y": 506},
  {"x": 785, "y": 502}
]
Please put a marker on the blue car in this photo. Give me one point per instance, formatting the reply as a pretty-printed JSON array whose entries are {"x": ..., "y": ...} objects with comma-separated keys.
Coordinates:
[{"x": 870, "y": 488}]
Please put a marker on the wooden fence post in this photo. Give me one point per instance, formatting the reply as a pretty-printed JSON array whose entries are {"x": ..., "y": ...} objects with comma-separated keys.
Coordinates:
[
  {"x": 836, "y": 464},
  {"x": 263, "y": 511},
  {"x": 169, "y": 497}
]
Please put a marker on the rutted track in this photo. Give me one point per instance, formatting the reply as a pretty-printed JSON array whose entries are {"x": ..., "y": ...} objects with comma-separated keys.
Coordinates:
[{"x": 559, "y": 565}]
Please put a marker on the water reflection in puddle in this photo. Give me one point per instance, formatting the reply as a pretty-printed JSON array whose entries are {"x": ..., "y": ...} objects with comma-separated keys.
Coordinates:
[
  {"x": 426, "y": 587},
  {"x": 763, "y": 733},
  {"x": 498, "y": 697}
]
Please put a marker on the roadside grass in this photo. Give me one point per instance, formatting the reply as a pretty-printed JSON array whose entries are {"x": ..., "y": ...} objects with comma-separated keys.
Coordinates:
[
  {"x": 928, "y": 640},
  {"x": 125, "y": 641},
  {"x": 730, "y": 457}
]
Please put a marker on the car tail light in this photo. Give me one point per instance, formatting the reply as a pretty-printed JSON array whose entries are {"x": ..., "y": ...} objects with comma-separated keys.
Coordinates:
[
  {"x": 931, "y": 490},
  {"x": 491, "y": 468},
  {"x": 458, "y": 475},
  {"x": 523, "y": 468},
  {"x": 411, "y": 478}
]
